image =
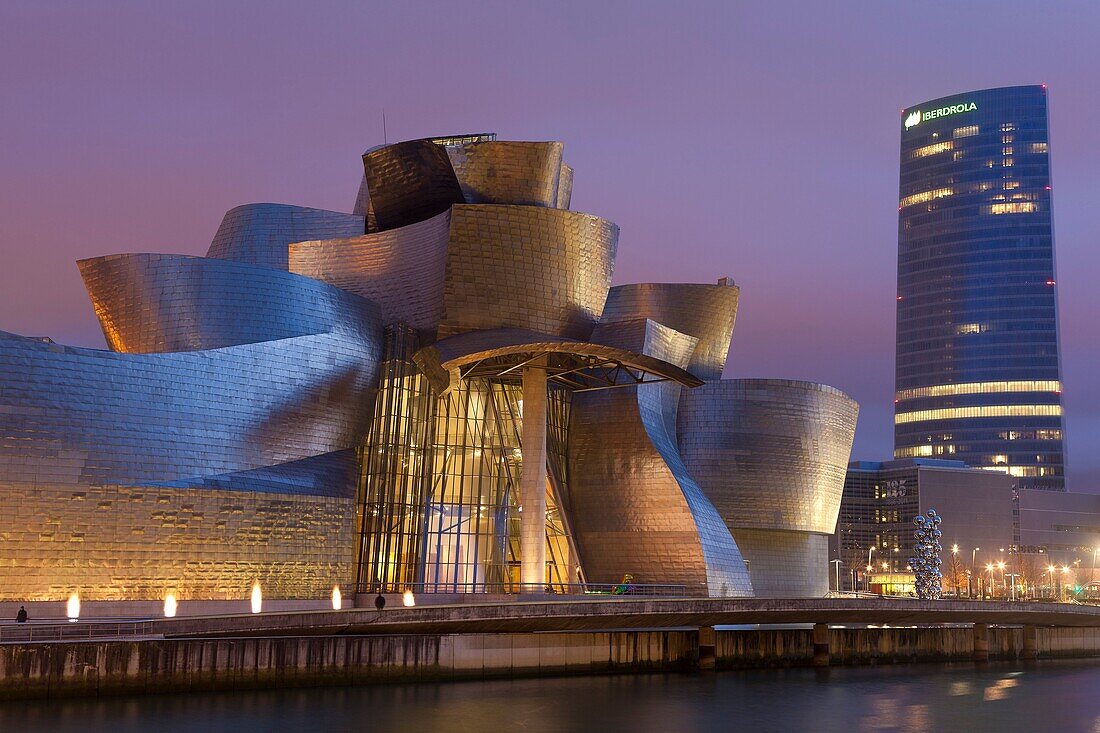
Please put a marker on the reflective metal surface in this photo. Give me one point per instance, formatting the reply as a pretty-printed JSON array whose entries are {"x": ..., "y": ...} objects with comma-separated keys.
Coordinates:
[
  {"x": 409, "y": 182},
  {"x": 772, "y": 456},
  {"x": 507, "y": 172},
  {"x": 258, "y": 234},
  {"x": 545, "y": 270},
  {"x": 706, "y": 312},
  {"x": 399, "y": 269},
  {"x": 153, "y": 303}
]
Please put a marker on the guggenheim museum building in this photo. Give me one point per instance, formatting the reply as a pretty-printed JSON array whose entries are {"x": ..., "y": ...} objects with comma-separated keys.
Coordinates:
[{"x": 439, "y": 392}]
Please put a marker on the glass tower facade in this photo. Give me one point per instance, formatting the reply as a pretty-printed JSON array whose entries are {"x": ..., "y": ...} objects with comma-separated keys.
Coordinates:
[{"x": 978, "y": 377}]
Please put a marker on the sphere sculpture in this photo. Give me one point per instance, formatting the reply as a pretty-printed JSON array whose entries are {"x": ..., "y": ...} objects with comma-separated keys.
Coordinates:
[{"x": 926, "y": 564}]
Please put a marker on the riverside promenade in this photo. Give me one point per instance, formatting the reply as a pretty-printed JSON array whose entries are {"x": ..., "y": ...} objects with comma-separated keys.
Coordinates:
[{"x": 527, "y": 638}]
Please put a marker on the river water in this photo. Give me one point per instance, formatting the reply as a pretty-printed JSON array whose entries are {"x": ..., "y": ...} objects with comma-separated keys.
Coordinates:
[{"x": 1047, "y": 696}]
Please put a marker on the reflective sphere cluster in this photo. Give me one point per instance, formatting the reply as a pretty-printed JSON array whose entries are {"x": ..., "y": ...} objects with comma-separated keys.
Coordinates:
[{"x": 926, "y": 563}]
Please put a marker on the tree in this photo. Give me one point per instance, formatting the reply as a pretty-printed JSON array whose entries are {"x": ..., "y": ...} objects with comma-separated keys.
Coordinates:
[{"x": 956, "y": 573}]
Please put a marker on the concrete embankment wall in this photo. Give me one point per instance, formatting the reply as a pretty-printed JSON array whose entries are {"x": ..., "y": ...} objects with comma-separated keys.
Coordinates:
[
  {"x": 89, "y": 668},
  {"x": 795, "y": 647},
  {"x": 65, "y": 669}
]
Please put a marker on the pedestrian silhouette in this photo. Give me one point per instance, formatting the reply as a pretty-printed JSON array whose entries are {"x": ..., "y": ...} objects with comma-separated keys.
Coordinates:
[
  {"x": 21, "y": 617},
  {"x": 380, "y": 602}
]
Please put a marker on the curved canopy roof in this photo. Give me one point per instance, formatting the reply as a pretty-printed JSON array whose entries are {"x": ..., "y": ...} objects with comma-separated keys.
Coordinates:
[{"x": 577, "y": 365}]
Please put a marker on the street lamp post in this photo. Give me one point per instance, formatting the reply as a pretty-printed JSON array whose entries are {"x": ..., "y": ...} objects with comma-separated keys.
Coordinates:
[
  {"x": 973, "y": 556},
  {"x": 991, "y": 589},
  {"x": 955, "y": 568},
  {"x": 870, "y": 549},
  {"x": 1001, "y": 567},
  {"x": 837, "y": 563}
]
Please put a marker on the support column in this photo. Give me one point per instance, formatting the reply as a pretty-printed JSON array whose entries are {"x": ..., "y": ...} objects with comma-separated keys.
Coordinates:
[
  {"x": 532, "y": 482},
  {"x": 821, "y": 645},
  {"x": 708, "y": 647},
  {"x": 981, "y": 642},
  {"x": 1030, "y": 650}
]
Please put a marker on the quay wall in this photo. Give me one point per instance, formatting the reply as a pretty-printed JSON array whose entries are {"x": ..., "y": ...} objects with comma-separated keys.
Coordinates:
[{"x": 142, "y": 666}]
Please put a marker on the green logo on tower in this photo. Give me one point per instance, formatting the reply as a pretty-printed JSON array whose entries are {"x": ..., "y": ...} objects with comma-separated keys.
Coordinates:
[{"x": 916, "y": 117}]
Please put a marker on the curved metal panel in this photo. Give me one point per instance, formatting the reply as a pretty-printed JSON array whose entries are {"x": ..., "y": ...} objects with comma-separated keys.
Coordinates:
[
  {"x": 565, "y": 187},
  {"x": 707, "y": 312},
  {"x": 152, "y": 303},
  {"x": 508, "y": 172},
  {"x": 258, "y": 234},
  {"x": 635, "y": 508},
  {"x": 81, "y": 416},
  {"x": 409, "y": 182},
  {"x": 528, "y": 267},
  {"x": 400, "y": 269},
  {"x": 771, "y": 454},
  {"x": 785, "y": 564}
]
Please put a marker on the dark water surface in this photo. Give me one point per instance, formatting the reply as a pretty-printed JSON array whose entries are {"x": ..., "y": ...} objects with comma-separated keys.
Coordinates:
[{"x": 1048, "y": 696}]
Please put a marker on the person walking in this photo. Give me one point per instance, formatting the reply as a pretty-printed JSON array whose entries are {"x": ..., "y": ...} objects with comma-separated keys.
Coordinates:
[{"x": 22, "y": 617}]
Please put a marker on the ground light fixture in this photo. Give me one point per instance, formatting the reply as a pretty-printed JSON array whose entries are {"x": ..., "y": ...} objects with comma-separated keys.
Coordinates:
[
  {"x": 337, "y": 598},
  {"x": 257, "y": 598},
  {"x": 72, "y": 608},
  {"x": 408, "y": 598},
  {"x": 170, "y": 605}
]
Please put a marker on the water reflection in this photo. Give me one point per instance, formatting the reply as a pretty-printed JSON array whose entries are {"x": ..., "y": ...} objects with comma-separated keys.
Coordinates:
[{"x": 1049, "y": 696}]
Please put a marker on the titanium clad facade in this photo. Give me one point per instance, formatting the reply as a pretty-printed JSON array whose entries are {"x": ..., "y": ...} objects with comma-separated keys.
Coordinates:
[
  {"x": 771, "y": 456},
  {"x": 258, "y": 234},
  {"x": 439, "y": 393},
  {"x": 399, "y": 269},
  {"x": 707, "y": 312},
  {"x": 409, "y": 182},
  {"x": 978, "y": 375},
  {"x": 529, "y": 267},
  {"x": 506, "y": 172},
  {"x": 153, "y": 303}
]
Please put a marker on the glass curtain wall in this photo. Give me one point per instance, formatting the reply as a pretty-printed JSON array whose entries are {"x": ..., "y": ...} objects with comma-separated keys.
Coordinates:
[{"x": 438, "y": 508}]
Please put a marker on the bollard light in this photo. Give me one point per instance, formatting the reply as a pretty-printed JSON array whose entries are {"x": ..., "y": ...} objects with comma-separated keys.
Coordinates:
[
  {"x": 337, "y": 598},
  {"x": 72, "y": 608},
  {"x": 170, "y": 605},
  {"x": 408, "y": 599},
  {"x": 257, "y": 598}
]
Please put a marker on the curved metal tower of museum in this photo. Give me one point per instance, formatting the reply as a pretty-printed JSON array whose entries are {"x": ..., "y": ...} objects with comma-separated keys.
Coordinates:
[{"x": 978, "y": 375}]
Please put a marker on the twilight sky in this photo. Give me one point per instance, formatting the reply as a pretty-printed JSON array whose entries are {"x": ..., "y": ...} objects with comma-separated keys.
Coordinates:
[{"x": 756, "y": 140}]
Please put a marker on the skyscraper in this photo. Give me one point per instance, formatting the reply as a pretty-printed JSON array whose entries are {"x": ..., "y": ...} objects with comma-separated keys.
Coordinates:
[{"x": 977, "y": 372}]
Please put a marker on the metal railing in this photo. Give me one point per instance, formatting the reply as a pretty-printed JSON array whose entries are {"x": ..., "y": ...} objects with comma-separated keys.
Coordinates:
[
  {"x": 73, "y": 631},
  {"x": 542, "y": 589}
]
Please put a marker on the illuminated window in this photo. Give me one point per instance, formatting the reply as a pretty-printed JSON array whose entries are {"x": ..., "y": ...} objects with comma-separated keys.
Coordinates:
[
  {"x": 1011, "y": 184},
  {"x": 1005, "y": 139},
  {"x": 1006, "y": 150},
  {"x": 923, "y": 196},
  {"x": 1022, "y": 207},
  {"x": 957, "y": 155},
  {"x": 1008, "y": 162},
  {"x": 1037, "y": 147},
  {"x": 967, "y": 131},
  {"x": 1031, "y": 435},
  {"x": 1008, "y": 127},
  {"x": 971, "y": 328},
  {"x": 957, "y": 413},
  {"x": 950, "y": 390},
  {"x": 932, "y": 149},
  {"x": 916, "y": 451}
]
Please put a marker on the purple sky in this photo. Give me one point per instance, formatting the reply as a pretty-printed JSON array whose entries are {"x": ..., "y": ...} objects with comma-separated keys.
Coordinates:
[{"x": 758, "y": 141}]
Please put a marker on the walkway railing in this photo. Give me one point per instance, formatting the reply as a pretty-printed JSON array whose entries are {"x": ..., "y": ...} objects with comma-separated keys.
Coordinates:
[
  {"x": 63, "y": 631},
  {"x": 568, "y": 589}
]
